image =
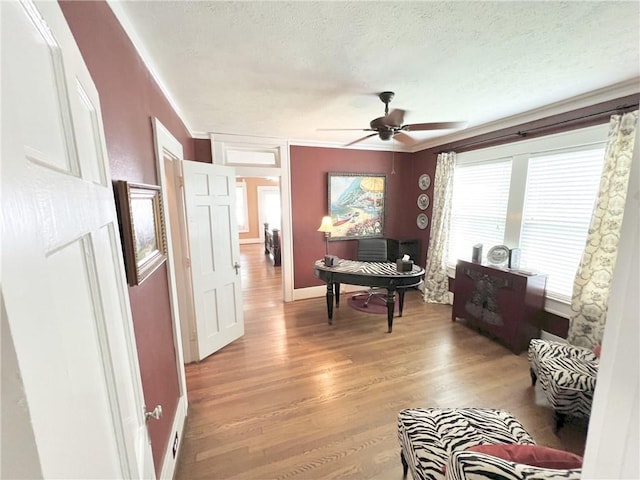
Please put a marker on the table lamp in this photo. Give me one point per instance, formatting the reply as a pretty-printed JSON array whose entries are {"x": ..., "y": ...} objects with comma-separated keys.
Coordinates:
[{"x": 326, "y": 226}]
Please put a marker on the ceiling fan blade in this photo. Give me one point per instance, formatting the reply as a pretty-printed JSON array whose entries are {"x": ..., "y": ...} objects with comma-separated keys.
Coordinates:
[
  {"x": 433, "y": 126},
  {"x": 395, "y": 118},
  {"x": 404, "y": 138},
  {"x": 361, "y": 139},
  {"x": 344, "y": 129}
]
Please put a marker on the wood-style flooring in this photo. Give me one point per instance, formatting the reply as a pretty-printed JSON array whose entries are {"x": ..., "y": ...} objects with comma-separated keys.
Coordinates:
[{"x": 296, "y": 398}]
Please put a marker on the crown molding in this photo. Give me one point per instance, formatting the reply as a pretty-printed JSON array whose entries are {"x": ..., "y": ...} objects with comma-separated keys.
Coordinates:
[
  {"x": 127, "y": 26},
  {"x": 622, "y": 89},
  {"x": 380, "y": 148},
  {"x": 201, "y": 135}
]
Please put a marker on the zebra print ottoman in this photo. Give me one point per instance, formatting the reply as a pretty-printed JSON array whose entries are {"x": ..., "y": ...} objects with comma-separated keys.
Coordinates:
[{"x": 429, "y": 436}]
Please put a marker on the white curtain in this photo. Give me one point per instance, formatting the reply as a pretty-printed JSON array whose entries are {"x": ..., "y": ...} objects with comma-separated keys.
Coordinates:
[
  {"x": 436, "y": 280},
  {"x": 593, "y": 278}
]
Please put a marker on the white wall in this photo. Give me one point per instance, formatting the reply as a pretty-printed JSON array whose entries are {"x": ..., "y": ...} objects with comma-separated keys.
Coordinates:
[{"x": 613, "y": 441}]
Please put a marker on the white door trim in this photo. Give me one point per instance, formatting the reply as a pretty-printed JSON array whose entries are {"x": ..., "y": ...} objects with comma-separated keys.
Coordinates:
[
  {"x": 166, "y": 145},
  {"x": 221, "y": 143}
]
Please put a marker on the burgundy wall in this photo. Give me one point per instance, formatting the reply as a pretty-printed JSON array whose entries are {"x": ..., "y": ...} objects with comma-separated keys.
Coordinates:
[
  {"x": 202, "y": 150},
  {"x": 309, "y": 202},
  {"x": 129, "y": 97}
]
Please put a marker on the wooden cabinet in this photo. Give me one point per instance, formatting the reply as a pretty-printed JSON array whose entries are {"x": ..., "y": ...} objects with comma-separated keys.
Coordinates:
[{"x": 501, "y": 302}]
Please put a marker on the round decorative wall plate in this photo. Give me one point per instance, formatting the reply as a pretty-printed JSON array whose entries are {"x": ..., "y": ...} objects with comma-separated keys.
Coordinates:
[
  {"x": 498, "y": 255},
  {"x": 424, "y": 181},
  {"x": 422, "y": 221},
  {"x": 423, "y": 201}
]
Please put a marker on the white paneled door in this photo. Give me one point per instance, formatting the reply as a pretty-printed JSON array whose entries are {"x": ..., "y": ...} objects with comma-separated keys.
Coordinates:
[
  {"x": 63, "y": 282},
  {"x": 215, "y": 254}
]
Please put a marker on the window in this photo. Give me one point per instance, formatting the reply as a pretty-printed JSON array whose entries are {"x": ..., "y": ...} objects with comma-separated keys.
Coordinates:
[
  {"x": 242, "y": 215},
  {"x": 479, "y": 211},
  {"x": 559, "y": 198},
  {"x": 537, "y": 195}
]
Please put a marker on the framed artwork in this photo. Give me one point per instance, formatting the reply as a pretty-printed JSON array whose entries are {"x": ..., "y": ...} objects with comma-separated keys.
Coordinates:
[
  {"x": 357, "y": 204},
  {"x": 143, "y": 233}
]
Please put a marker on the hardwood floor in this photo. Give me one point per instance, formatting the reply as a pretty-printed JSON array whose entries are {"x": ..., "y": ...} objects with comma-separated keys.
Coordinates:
[{"x": 297, "y": 398}]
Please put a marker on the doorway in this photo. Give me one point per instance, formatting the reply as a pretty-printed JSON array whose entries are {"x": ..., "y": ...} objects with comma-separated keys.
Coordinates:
[
  {"x": 269, "y": 211},
  {"x": 263, "y": 205}
]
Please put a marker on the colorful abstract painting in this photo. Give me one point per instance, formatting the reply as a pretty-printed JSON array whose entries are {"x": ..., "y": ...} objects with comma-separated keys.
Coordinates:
[{"x": 357, "y": 204}]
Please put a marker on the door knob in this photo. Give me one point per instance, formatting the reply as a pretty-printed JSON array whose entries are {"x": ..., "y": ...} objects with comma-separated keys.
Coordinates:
[
  {"x": 156, "y": 413},
  {"x": 237, "y": 267}
]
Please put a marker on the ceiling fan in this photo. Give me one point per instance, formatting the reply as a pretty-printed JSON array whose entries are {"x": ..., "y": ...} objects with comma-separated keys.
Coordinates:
[{"x": 391, "y": 126}]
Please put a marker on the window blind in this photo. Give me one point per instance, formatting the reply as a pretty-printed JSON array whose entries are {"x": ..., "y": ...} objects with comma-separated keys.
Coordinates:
[
  {"x": 558, "y": 204},
  {"x": 479, "y": 207}
]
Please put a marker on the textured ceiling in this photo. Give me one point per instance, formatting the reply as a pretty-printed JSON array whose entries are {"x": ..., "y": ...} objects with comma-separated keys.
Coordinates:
[{"x": 285, "y": 69}]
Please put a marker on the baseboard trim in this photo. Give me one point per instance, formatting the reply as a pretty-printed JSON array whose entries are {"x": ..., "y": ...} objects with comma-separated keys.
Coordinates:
[
  {"x": 244, "y": 241},
  {"x": 169, "y": 463}
]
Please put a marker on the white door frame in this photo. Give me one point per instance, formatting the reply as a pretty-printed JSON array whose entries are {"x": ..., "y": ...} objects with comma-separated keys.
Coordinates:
[
  {"x": 220, "y": 144},
  {"x": 168, "y": 148}
]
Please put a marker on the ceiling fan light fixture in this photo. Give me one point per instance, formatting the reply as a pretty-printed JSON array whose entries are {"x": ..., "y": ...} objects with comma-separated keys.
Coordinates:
[
  {"x": 386, "y": 97},
  {"x": 392, "y": 124}
]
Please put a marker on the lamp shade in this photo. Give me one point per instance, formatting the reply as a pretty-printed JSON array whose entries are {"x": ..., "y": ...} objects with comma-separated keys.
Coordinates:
[{"x": 327, "y": 225}]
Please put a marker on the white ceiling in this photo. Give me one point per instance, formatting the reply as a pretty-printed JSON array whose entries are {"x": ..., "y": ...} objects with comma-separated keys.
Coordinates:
[{"x": 285, "y": 69}]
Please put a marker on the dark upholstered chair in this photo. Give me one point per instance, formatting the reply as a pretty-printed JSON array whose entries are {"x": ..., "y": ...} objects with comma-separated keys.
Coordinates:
[{"x": 372, "y": 250}]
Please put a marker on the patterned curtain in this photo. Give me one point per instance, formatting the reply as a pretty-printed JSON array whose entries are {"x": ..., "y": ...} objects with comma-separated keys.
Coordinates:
[
  {"x": 593, "y": 279},
  {"x": 436, "y": 280}
]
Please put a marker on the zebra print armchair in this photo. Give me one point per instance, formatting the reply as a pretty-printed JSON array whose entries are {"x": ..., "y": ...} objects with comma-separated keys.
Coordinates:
[
  {"x": 429, "y": 436},
  {"x": 465, "y": 464},
  {"x": 567, "y": 375},
  {"x": 435, "y": 443}
]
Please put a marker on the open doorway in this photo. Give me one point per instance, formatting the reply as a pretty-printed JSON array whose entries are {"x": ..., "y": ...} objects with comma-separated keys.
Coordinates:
[
  {"x": 258, "y": 203},
  {"x": 269, "y": 212},
  {"x": 262, "y": 205}
]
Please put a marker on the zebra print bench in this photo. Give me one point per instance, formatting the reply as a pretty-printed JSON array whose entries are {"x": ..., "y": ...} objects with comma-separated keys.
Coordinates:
[{"x": 430, "y": 436}]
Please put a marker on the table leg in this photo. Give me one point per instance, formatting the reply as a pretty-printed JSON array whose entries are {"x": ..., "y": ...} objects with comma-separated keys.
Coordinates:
[
  {"x": 391, "y": 303},
  {"x": 336, "y": 287},
  {"x": 330, "y": 302},
  {"x": 401, "y": 299}
]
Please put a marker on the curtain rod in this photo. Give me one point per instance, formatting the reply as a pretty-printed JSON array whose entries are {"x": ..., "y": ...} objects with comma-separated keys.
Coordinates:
[{"x": 524, "y": 133}]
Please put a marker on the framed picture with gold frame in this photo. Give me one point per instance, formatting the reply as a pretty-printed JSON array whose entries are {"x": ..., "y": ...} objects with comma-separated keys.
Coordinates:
[
  {"x": 142, "y": 229},
  {"x": 357, "y": 204}
]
